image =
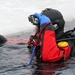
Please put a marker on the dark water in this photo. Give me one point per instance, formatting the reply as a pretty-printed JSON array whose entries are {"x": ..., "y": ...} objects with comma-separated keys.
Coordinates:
[{"x": 14, "y": 54}]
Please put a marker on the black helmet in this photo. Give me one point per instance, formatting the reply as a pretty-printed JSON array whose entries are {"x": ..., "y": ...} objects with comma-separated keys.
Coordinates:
[{"x": 56, "y": 18}]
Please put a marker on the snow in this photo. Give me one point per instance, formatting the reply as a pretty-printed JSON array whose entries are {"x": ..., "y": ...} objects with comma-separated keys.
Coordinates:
[{"x": 14, "y": 13}]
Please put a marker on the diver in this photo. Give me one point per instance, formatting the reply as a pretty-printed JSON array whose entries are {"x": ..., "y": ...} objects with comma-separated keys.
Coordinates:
[
  {"x": 2, "y": 40},
  {"x": 50, "y": 30}
]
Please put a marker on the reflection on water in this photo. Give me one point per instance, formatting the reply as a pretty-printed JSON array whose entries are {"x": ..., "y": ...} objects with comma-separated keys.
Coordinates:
[{"x": 14, "y": 55}]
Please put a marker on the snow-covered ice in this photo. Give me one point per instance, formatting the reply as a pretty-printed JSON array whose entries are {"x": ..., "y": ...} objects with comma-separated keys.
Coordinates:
[{"x": 14, "y": 13}]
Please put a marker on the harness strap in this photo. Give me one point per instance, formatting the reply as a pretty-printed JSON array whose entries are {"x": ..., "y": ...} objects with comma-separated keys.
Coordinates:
[{"x": 35, "y": 43}]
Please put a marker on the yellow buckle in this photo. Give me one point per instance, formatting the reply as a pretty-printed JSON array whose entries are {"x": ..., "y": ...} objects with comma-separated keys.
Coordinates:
[{"x": 62, "y": 44}]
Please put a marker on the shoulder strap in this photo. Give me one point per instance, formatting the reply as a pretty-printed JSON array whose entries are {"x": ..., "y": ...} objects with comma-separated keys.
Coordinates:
[{"x": 66, "y": 34}]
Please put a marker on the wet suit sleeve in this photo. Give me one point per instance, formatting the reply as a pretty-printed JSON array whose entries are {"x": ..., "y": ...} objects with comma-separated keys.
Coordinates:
[{"x": 50, "y": 51}]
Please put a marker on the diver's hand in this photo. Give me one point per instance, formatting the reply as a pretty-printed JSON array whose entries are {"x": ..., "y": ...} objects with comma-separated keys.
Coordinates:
[{"x": 42, "y": 19}]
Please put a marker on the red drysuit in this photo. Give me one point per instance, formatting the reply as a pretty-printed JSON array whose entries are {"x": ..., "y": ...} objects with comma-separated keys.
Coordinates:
[{"x": 50, "y": 52}]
